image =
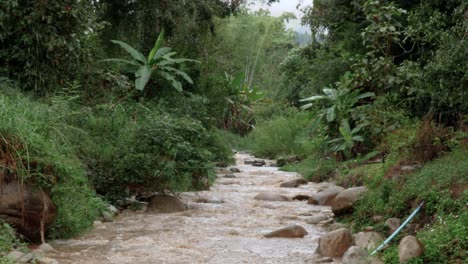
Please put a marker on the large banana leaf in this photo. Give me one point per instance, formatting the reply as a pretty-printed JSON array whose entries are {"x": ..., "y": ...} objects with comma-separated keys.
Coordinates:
[
  {"x": 180, "y": 73},
  {"x": 142, "y": 77},
  {"x": 176, "y": 84},
  {"x": 157, "y": 46},
  {"x": 133, "y": 52}
]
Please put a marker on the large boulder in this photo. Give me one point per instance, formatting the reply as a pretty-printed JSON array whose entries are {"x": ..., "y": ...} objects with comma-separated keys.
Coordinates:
[
  {"x": 24, "y": 207},
  {"x": 325, "y": 197},
  {"x": 409, "y": 248},
  {"x": 275, "y": 197},
  {"x": 335, "y": 243},
  {"x": 368, "y": 240},
  {"x": 163, "y": 203},
  {"x": 344, "y": 201},
  {"x": 293, "y": 183},
  {"x": 291, "y": 231}
]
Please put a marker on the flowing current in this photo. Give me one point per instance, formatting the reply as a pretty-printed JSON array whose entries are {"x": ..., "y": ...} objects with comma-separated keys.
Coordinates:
[{"x": 224, "y": 233}]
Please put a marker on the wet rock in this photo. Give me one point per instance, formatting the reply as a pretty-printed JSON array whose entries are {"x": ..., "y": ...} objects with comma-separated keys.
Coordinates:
[
  {"x": 113, "y": 209},
  {"x": 293, "y": 183},
  {"x": 276, "y": 197},
  {"x": 287, "y": 160},
  {"x": 301, "y": 197},
  {"x": 163, "y": 203},
  {"x": 409, "y": 248},
  {"x": 97, "y": 223},
  {"x": 230, "y": 176},
  {"x": 235, "y": 170},
  {"x": 344, "y": 201},
  {"x": 46, "y": 247},
  {"x": 258, "y": 163},
  {"x": 355, "y": 255},
  {"x": 291, "y": 231},
  {"x": 325, "y": 197},
  {"x": 316, "y": 219},
  {"x": 107, "y": 216},
  {"x": 25, "y": 258},
  {"x": 335, "y": 243},
  {"x": 392, "y": 224},
  {"x": 368, "y": 240},
  {"x": 22, "y": 206},
  {"x": 248, "y": 161},
  {"x": 208, "y": 200},
  {"x": 336, "y": 226},
  {"x": 221, "y": 164},
  {"x": 15, "y": 255},
  {"x": 44, "y": 260},
  {"x": 222, "y": 171}
]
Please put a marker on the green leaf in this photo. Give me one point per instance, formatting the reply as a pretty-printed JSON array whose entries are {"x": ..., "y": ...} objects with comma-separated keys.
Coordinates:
[
  {"x": 358, "y": 138},
  {"x": 176, "y": 84},
  {"x": 161, "y": 52},
  {"x": 133, "y": 52},
  {"x": 157, "y": 46},
  {"x": 143, "y": 75},
  {"x": 330, "y": 93},
  {"x": 331, "y": 114},
  {"x": 312, "y": 98},
  {"x": 364, "y": 95},
  {"x": 180, "y": 73}
]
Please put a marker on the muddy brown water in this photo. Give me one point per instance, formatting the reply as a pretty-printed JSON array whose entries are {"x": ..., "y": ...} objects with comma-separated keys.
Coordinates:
[{"x": 230, "y": 232}]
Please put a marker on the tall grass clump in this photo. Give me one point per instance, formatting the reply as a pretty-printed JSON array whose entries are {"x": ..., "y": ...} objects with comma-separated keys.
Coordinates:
[{"x": 40, "y": 156}]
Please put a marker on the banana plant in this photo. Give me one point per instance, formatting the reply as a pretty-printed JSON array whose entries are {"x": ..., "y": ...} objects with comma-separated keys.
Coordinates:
[
  {"x": 159, "y": 61},
  {"x": 347, "y": 140}
]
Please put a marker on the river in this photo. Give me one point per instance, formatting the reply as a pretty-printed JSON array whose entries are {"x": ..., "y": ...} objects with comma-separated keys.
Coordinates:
[{"x": 224, "y": 233}]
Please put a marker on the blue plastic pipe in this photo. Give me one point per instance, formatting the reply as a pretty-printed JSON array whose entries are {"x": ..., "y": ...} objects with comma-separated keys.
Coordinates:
[{"x": 398, "y": 230}]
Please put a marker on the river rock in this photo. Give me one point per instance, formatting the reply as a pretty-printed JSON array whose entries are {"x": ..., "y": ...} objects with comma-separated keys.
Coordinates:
[
  {"x": 234, "y": 169},
  {"x": 291, "y": 231},
  {"x": 44, "y": 260},
  {"x": 25, "y": 258},
  {"x": 286, "y": 160},
  {"x": 344, "y": 201},
  {"x": 15, "y": 255},
  {"x": 163, "y": 203},
  {"x": 409, "y": 248},
  {"x": 368, "y": 240},
  {"x": 276, "y": 197},
  {"x": 222, "y": 171},
  {"x": 301, "y": 197},
  {"x": 229, "y": 176},
  {"x": 335, "y": 243},
  {"x": 258, "y": 163},
  {"x": 248, "y": 161},
  {"x": 355, "y": 255},
  {"x": 107, "y": 216},
  {"x": 336, "y": 226},
  {"x": 325, "y": 197},
  {"x": 293, "y": 183},
  {"x": 316, "y": 219},
  {"x": 46, "y": 247},
  {"x": 208, "y": 200},
  {"x": 392, "y": 224},
  {"x": 22, "y": 206}
]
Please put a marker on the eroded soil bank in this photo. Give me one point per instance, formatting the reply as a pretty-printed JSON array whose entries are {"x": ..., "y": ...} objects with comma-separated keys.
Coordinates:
[{"x": 228, "y": 232}]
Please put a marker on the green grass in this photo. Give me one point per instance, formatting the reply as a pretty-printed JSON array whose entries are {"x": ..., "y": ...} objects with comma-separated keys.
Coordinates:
[
  {"x": 441, "y": 184},
  {"x": 8, "y": 241},
  {"x": 35, "y": 135},
  {"x": 313, "y": 168}
]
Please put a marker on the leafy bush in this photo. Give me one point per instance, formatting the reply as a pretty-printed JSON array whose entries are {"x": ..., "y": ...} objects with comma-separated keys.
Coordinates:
[
  {"x": 143, "y": 149},
  {"x": 34, "y": 132},
  {"x": 280, "y": 135},
  {"x": 8, "y": 241}
]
